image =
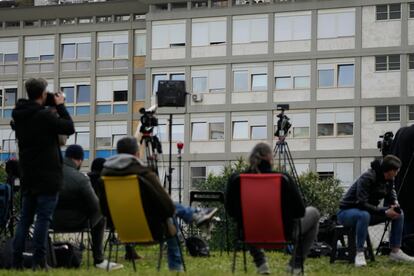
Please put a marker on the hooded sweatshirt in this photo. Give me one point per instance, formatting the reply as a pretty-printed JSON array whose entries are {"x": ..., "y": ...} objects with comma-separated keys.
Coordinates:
[
  {"x": 156, "y": 202},
  {"x": 368, "y": 190},
  {"x": 37, "y": 130}
]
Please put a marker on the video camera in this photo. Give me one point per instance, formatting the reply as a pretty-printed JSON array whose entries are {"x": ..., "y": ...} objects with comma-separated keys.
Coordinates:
[
  {"x": 384, "y": 145},
  {"x": 283, "y": 124},
  {"x": 148, "y": 119},
  {"x": 50, "y": 98}
]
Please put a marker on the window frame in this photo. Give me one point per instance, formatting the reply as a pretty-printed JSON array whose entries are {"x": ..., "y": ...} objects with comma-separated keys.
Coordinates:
[
  {"x": 387, "y": 114},
  {"x": 388, "y": 63},
  {"x": 388, "y": 12},
  {"x": 76, "y": 103}
]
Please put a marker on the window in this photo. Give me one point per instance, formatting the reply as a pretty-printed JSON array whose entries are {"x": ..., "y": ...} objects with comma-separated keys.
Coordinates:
[
  {"x": 121, "y": 50},
  {"x": 259, "y": 82},
  {"x": 411, "y": 112},
  {"x": 300, "y": 132},
  {"x": 104, "y": 19},
  {"x": 385, "y": 12},
  {"x": 69, "y": 51},
  {"x": 249, "y": 78},
  {"x": 390, "y": 63},
  {"x": 199, "y": 4},
  {"x": 113, "y": 45},
  {"x": 199, "y": 84},
  {"x": 387, "y": 113},
  {"x": 335, "y": 124},
  {"x": 288, "y": 28},
  {"x": 39, "y": 49},
  {"x": 169, "y": 76},
  {"x": 206, "y": 80},
  {"x": 219, "y": 3},
  {"x": 122, "y": 18},
  {"x": 336, "y": 24},
  {"x": 411, "y": 61},
  {"x": 345, "y": 75},
  {"x": 250, "y": 29},
  {"x": 325, "y": 175},
  {"x": 49, "y": 22},
  {"x": 411, "y": 10},
  {"x": 82, "y": 139},
  {"x": 300, "y": 125},
  {"x": 198, "y": 175},
  {"x": 108, "y": 133},
  {"x": 216, "y": 131},
  {"x": 140, "y": 90},
  {"x": 258, "y": 132},
  {"x": 208, "y": 33},
  {"x": 8, "y": 56},
  {"x": 177, "y": 132},
  {"x": 241, "y": 81},
  {"x": 67, "y": 21},
  {"x": 240, "y": 130},
  {"x": 140, "y": 44},
  {"x": 10, "y": 96},
  {"x": 180, "y": 77},
  {"x": 179, "y": 5},
  {"x": 77, "y": 98},
  {"x": 326, "y": 78},
  {"x": 199, "y": 132},
  {"x": 112, "y": 95},
  {"x": 292, "y": 76},
  {"x": 85, "y": 20},
  {"x": 169, "y": 35}
]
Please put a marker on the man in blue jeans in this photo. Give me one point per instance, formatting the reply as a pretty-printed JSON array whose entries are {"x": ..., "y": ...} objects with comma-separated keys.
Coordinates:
[
  {"x": 37, "y": 129},
  {"x": 157, "y": 204},
  {"x": 359, "y": 207}
]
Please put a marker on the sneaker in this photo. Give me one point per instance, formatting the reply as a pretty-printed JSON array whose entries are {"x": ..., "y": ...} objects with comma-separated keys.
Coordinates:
[
  {"x": 400, "y": 256},
  {"x": 360, "y": 259},
  {"x": 204, "y": 216},
  {"x": 294, "y": 270},
  {"x": 112, "y": 266},
  {"x": 263, "y": 269}
]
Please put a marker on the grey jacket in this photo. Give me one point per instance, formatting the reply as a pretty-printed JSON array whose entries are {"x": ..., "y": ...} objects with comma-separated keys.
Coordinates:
[{"x": 77, "y": 199}]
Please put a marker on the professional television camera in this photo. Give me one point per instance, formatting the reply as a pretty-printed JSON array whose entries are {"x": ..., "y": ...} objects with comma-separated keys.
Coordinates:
[
  {"x": 283, "y": 124},
  {"x": 384, "y": 145},
  {"x": 148, "y": 120}
]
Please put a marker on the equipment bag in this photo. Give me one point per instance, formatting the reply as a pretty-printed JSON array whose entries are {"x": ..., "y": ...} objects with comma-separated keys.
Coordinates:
[
  {"x": 67, "y": 255},
  {"x": 197, "y": 247}
]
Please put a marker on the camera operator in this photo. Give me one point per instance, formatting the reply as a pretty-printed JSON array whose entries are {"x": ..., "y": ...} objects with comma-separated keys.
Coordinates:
[
  {"x": 359, "y": 207},
  {"x": 37, "y": 130},
  {"x": 403, "y": 148}
]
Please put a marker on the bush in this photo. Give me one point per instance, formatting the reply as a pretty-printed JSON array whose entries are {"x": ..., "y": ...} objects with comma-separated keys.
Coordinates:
[{"x": 323, "y": 194}]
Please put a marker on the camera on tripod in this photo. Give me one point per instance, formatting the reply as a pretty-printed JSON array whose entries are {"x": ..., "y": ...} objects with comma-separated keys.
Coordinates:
[
  {"x": 384, "y": 145},
  {"x": 148, "y": 119},
  {"x": 283, "y": 124}
]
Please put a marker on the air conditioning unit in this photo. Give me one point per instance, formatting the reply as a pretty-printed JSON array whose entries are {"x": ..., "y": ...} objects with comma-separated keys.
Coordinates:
[{"x": 197, "y": 98}]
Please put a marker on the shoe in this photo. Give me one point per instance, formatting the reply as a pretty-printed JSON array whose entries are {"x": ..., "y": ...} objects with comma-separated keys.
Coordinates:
[
  {"x": 131, "y": 254},
  {"x": 263, "y": 269},
  {"x": 112, "y": 266},
  {"x": 204, "y": 216},
  {"x": 400, "y": 256},
  {"x": 294, "y": 270},
  {"x": 360, "y": 259}
]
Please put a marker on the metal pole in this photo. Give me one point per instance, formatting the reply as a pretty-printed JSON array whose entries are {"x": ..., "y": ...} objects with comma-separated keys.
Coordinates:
[{"x": 170, "y": 156}]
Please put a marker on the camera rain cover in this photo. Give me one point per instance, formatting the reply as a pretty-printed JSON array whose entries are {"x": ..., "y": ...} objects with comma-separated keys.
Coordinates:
[{"x": 171, "y": 93}]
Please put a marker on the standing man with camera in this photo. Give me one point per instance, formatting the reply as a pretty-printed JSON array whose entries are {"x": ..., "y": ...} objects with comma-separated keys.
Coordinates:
[
  {"x": 359, "y": 207},
  {"x": 37, "y": 129}
]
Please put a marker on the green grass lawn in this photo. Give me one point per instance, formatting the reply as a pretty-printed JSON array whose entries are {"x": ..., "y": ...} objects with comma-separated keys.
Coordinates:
[{"x": 220, "y": 265}]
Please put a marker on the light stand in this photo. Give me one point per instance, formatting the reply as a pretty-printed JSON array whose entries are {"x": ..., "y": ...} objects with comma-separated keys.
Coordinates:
[{"x": 180, "y": 146}]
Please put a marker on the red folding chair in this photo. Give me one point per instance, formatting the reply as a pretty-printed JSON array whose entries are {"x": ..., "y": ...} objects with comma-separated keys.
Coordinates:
[{"x": 260, "y": 196}]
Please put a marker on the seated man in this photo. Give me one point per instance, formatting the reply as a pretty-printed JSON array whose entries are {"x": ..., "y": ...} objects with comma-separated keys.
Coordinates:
[
  {"x": 78, "y": 203},
  {"x": 359, "y": 207},
  {"x": 158, "y": 206},
  {"x": 293, "y": 207}
]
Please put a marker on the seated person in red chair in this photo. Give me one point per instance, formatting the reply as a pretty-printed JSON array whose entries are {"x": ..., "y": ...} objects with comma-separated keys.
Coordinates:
[
  {"x": 293, "y": 207},
  {"x": 359, "y": 207}
]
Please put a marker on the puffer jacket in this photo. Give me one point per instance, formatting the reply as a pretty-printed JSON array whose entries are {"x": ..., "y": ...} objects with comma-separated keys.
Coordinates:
[{"x": 368, "y": 190}]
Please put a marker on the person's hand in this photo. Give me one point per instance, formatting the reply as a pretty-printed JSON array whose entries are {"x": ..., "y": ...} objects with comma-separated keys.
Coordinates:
[
  {"x": 59, "y": 98},
  {"x": 390, "y": 213}
]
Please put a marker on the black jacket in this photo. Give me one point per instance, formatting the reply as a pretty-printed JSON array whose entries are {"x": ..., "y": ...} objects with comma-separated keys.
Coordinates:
[
  {"x": 403, "y": 148},
  {"x": 37, "y": 130},
  {"x": 368, "y": 190},
  {"x": 77, "y": 200},
  {"x": 293, "y": 206},
  {"x": 156, "y": 202}
]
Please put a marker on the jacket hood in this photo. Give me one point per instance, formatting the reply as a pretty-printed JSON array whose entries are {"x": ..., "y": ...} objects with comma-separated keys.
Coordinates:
[
  {"x": 121, "y": 161},
  {"x": 25, "y": 108}
]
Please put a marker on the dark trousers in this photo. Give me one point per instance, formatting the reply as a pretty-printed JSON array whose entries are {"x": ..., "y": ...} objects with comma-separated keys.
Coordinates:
[{"x": 43, "y": 207}]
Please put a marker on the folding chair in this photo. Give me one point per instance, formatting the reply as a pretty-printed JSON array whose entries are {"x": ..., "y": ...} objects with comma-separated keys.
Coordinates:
[
  {"x": 130, "y": 222},
  {"x": 260, "y": 196},
  {"x": 212, "y": 197}
]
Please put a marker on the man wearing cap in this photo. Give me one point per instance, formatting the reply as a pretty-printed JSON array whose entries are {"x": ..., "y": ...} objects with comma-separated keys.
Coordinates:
[{"x": 78, "y": 206}]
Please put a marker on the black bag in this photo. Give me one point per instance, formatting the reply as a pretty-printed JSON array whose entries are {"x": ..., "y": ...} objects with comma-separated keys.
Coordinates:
[
  {"x": 197, "y": 247},
  {"x": 67, "y": 255},
  {"x": 408, "y": 244},
  {"x": 6, "y": 253}
]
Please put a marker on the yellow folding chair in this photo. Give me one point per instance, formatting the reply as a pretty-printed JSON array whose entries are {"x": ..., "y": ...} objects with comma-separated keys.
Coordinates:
[{"x": 127, "y": 213}]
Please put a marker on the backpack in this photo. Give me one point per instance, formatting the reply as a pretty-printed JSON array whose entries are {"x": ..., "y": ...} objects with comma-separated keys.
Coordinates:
[
  {"x": 67, "y": 255},
  {"x": 5, "y": 197},
  {"x": 197, "y": 247}
]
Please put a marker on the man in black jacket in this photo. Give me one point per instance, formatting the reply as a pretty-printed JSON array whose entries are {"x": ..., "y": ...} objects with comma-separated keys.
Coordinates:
[
  {"x": 78, "y": 206},
  {"x": 293, "y": 207},
  {"x": 37, "y": 129},
  {"x": 403, "y": 148},
  {"x": 359, "y": 207}
]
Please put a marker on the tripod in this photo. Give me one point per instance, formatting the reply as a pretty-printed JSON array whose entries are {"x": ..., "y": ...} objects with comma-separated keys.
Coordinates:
[
  {"x": 152, "y": 148},
  {"x": 282, "y": 154}
]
